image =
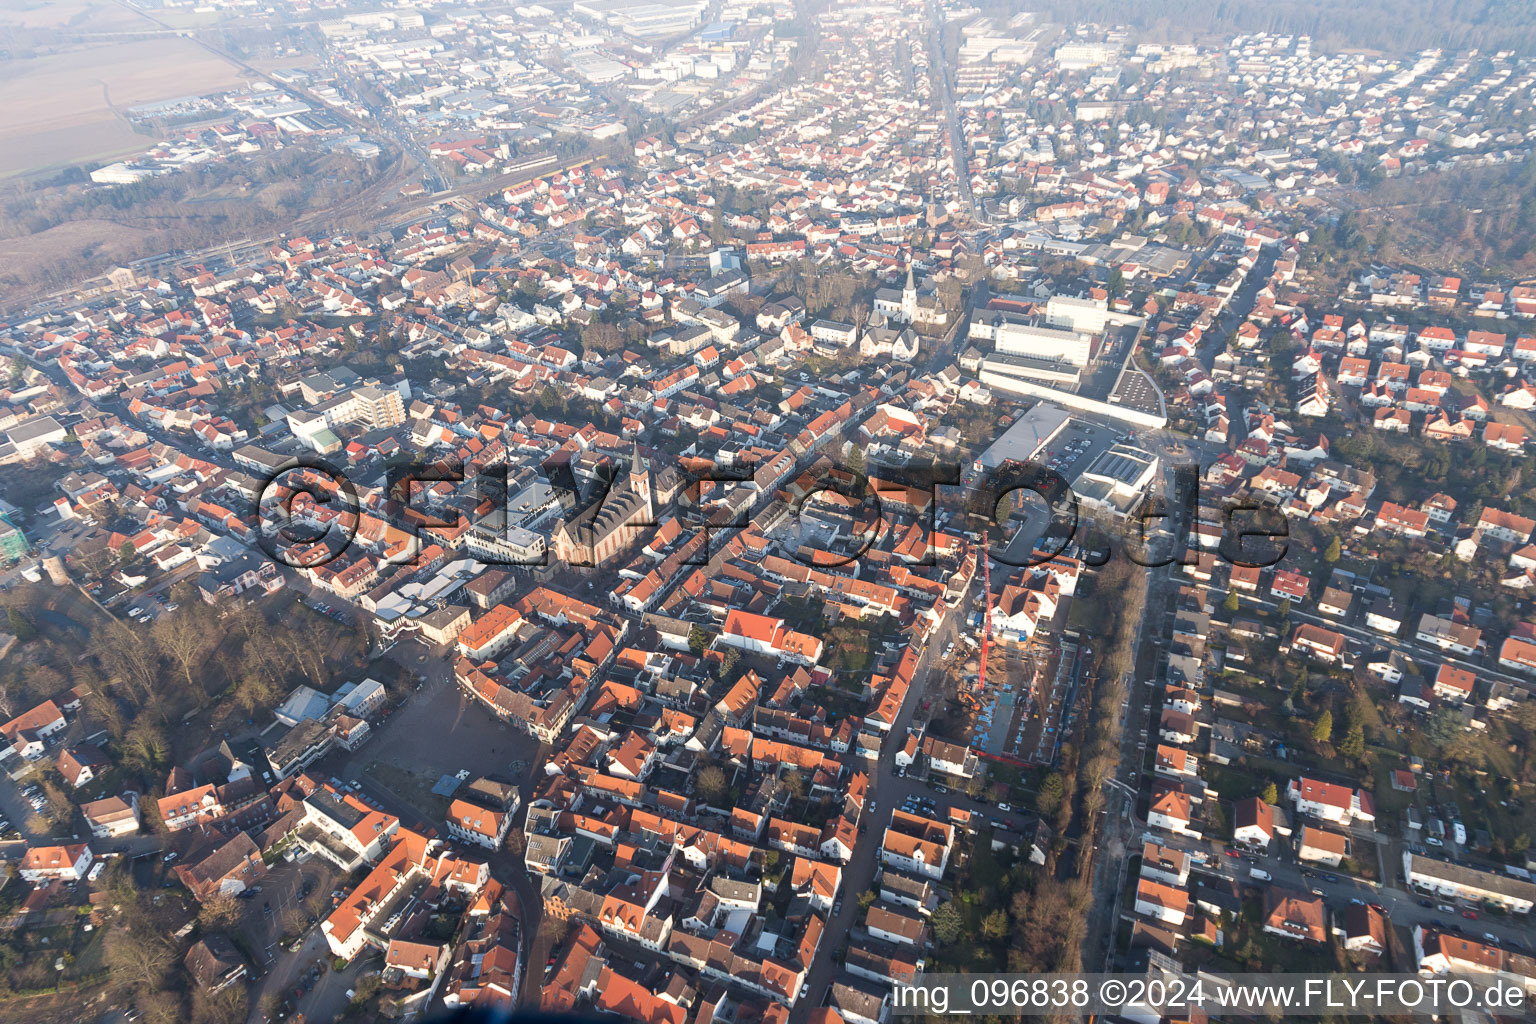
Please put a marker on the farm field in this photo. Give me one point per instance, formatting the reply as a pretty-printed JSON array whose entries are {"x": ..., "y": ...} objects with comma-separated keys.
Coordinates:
[
  {"x": 74, "y": 240},
  {"x": 54, "y": 112},
  {"x": 82, "y": 15}
]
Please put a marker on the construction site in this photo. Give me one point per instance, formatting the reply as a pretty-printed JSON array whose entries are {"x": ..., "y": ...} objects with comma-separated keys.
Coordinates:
[{"x": 1009, "y": 698}]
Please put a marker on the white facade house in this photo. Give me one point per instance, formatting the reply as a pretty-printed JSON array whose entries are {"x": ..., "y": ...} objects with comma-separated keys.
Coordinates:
[
  {"x": 1331, "y": 802},
  {"x": 114, "y": 816},
  {"x": 1161, "y": 902},
  {"x": 67, "y": 863}
]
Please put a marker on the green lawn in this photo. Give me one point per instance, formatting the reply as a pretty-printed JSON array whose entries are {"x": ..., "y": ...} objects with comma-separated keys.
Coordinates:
[{"x": 1232, "y": 782}]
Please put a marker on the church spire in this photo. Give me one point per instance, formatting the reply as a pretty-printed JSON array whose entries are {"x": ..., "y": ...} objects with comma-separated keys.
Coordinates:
[{"x": 640, "y": 478}]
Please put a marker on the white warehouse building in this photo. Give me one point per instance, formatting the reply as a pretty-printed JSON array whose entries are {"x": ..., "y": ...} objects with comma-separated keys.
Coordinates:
[
  {"x": 1038, "y": 341},
  {"x": 1117, "y": 480},
  {"x": 1090, "y": 316}
]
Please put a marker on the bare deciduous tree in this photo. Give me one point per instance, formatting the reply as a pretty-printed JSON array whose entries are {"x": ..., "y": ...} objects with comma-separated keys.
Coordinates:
[
  {"x": 186, "y": 641},
  {"x": 219, "y": 912},
  {"x": 142, "y": 961},
  {"x": 227, "y": 1007}
]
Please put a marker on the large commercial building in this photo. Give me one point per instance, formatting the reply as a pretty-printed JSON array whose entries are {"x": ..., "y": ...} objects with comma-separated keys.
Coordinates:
[
  {"x": 1050, "y": 347},
  {"x": 1010, "y": 372},
  {"x": 1021, "y": 441},
  {"x": 1032, "y": 337},
  {"x": 370, "y": 407},
  {"x": 1118, "y": 479},
  {"x": 644, "y": 18},
  {"x": 1082, "y": 56},
  {"x": 1045, "y": 342},
  {"x": 28, "y": 440},
  {"x": 1090, "y": 316}
]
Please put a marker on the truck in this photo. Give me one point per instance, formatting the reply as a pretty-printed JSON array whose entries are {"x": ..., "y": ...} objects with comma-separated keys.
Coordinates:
[{"x": 1261, "y": 874}]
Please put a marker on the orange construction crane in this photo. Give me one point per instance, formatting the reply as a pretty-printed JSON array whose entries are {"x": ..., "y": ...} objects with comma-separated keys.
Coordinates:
[{"x": 986, "y": 619}]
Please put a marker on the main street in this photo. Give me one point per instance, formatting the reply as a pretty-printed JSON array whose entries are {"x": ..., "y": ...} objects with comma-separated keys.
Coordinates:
[
  {"x": 1117, "y": 832},
  {"x": 886, "y": 790},
  {"x": 958, "y": 149},
  {"x": 1118, "y": 836}
]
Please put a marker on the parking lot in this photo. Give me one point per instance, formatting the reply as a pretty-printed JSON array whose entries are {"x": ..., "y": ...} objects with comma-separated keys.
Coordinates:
[
  {"x": 1068, "y": 454},
  {"x": 147, "y": 608},
  {"x": 1073, "y": 450},
  {"x": 441, "y": 731},
  {"x": 291, "y": 898},
  {"x": 1135, "y": 391}
]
